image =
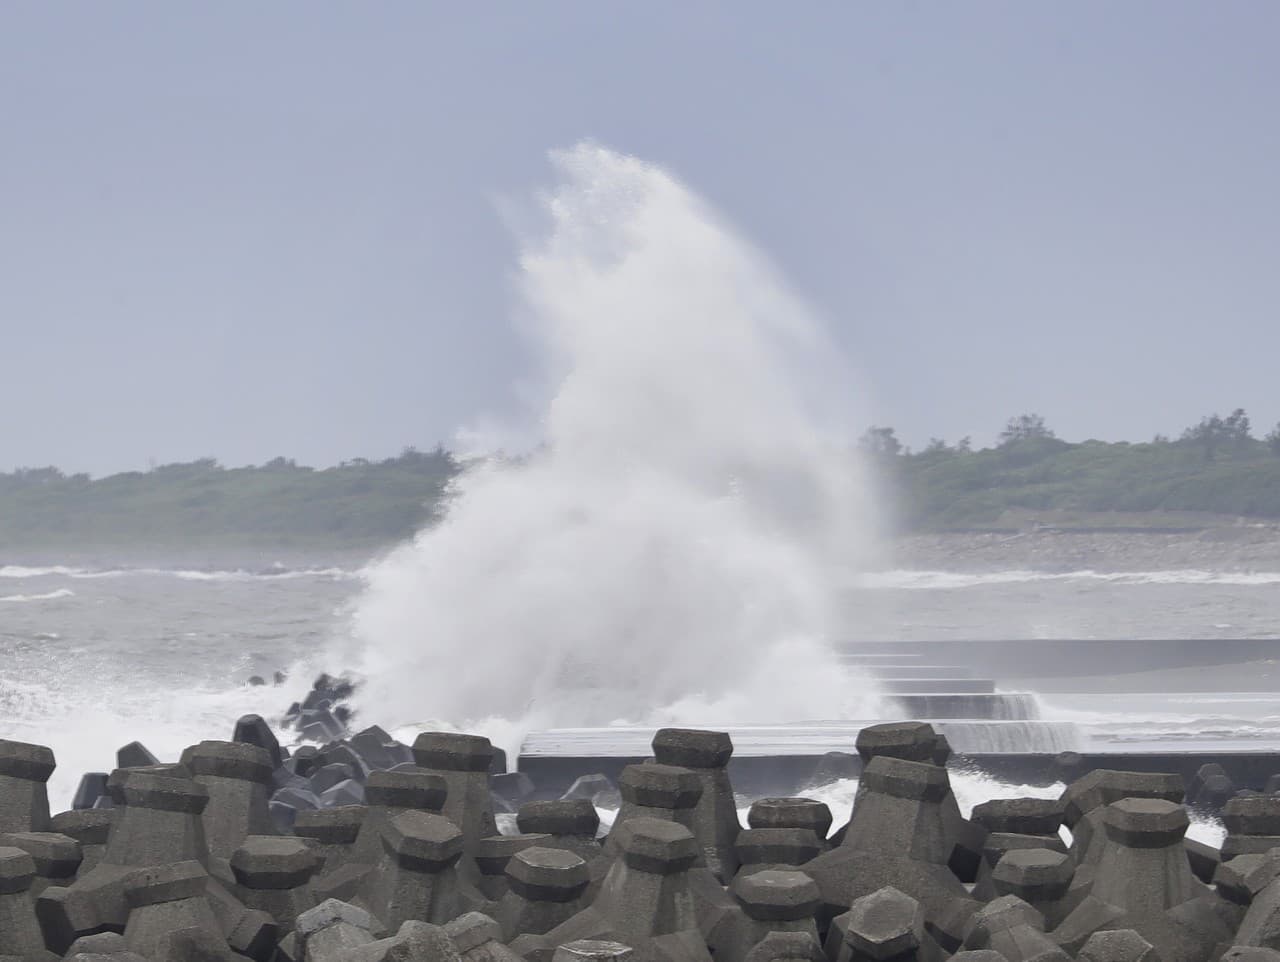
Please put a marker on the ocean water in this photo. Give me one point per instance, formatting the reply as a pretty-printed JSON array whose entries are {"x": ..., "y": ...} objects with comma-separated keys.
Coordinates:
[
  {"x": 1020, "y": 603},
  {"x": 93, "y": 656},
  {"x": 670, "y": 551}
]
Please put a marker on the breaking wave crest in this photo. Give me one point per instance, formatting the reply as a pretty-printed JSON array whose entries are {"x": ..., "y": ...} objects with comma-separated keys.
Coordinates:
[
  {"x": 45, "y": 596},
  {"x": 183, "y": 574},
  {"x": 671, "y": 552}
]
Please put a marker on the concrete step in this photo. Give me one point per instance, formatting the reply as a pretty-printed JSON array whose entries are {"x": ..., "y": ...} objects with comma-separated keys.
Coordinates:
[
  {"x": 930, "y": 686},
  {"x": 1006, "y": 706},
  {"x": 1068, "y": 658},
  {"x": 919, "y": 671}
]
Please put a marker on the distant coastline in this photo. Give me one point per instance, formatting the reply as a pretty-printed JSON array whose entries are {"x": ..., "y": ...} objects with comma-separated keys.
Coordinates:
[{"x": 1037, "y": 498}]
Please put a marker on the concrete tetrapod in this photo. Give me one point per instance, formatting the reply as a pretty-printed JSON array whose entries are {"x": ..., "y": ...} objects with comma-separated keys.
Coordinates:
[
  {"x": 768, "y": 901},
  {"x": 1143, "y": 882},
  {"x": 546, "y": 887},
  {"x": 645, "y": 901},
  {"x": 417, "y": 876},
  {"x": 237, "y": 777},
  {"x": 715, "y": 819},
  {"x": 24, "y": 799},
  {"x": 387, "y": 795},
  {"x": 19, "y": 933},
  {"x": 897, "y": 837}
]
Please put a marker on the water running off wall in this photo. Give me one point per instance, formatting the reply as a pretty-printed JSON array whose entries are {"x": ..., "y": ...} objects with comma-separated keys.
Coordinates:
[{"x": 673, "y": 550}]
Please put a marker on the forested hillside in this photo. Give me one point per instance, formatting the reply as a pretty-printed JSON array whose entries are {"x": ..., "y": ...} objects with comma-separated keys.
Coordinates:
[{"x": 1216, "y": 466}]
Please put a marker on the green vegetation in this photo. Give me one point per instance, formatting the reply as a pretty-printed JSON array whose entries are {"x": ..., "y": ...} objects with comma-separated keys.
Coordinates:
[
  {"x": 1215, "y": 467},
  {"x": 279, "y": 503}
]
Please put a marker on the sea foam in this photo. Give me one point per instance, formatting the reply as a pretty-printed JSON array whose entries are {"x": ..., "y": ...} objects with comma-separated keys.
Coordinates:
[{"x": 668, "y": 554}]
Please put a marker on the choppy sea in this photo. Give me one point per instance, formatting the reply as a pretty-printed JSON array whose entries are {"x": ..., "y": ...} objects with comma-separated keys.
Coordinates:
[{"x": 94, "y": 655}]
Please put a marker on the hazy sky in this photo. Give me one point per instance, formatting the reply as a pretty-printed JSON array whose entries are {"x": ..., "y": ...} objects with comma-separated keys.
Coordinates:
[{"x": 247, "y": 230}]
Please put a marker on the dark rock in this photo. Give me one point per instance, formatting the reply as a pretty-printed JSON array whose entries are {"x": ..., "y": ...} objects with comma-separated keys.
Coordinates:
[
  {"x": 253, "y": 730},
  {"x": 1210, "y": 787},
  {"x": 1204, "y": 859},
  {"x": 319, "y": 725},
  {"x": 304, "y": 760},
  {"x": 135, "y": 755},
  {"x": 595, "y": 788},
  {"x": 283, "y": 815},
  {"x": 379, "y": 750},
  {"x": 329, "y": 775},
  {"x": 299, "y": 798},
  {"x": 514, "y": 786},
  {"x": 343, "y": 753},
  {"x": 317, "y": 698},
  {"x": 349, "y": 792},
  {"x": 93, "y": 785},
  {"x": 283, "y": 778}
]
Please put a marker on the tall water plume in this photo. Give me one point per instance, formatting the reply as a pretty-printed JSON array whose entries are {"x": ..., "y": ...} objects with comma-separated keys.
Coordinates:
[{"x": 671, "y": 551}]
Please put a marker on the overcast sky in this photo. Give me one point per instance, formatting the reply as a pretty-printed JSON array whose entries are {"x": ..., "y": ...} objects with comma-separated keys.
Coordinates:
[{"x": 248, "y": 230}]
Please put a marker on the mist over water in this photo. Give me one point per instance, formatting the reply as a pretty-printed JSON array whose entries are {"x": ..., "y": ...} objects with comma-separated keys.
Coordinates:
[{"x": 673, "y": 551}]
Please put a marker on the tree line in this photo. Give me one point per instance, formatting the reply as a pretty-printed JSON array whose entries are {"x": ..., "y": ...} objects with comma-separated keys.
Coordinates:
[
  {"x": 1216, "y": 465},
  {"x": 1211, "y": 436}
]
